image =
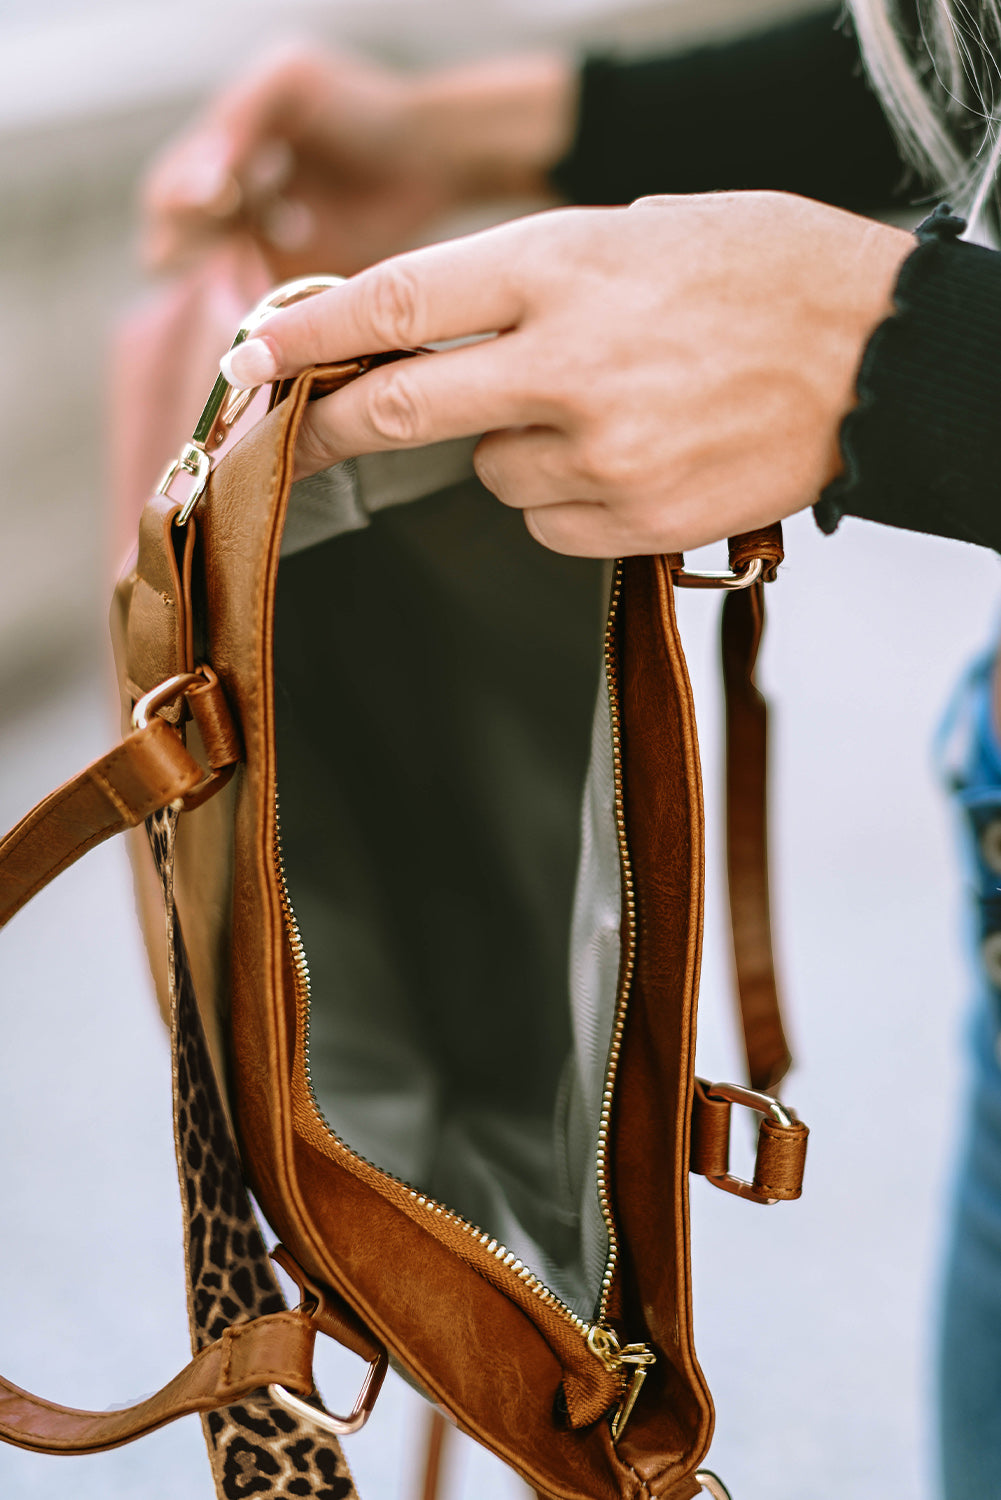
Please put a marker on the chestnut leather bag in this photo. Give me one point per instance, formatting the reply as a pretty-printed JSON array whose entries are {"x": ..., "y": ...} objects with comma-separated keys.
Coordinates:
[{"x": 431, "y": 961}]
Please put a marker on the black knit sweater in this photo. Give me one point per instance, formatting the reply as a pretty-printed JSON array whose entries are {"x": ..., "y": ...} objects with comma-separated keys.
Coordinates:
[{"x": 789, "y": 109}]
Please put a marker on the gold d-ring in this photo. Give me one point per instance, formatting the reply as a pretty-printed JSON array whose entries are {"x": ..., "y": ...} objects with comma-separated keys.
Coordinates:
[
  {"x": 225, "y": 404},
  {"x": 692, "y": 578},
  {"x": 327, "y": 1421},
  {"x": 713, "y": 1485}
]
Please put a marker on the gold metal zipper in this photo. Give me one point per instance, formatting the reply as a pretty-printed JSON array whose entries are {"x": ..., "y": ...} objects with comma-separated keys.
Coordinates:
[
  {"x": 629, "y": 1363},
  {"x": 627, "y": 957}
]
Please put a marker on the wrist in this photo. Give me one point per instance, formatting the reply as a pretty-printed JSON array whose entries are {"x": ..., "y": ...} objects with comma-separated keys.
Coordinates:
[{"x": 497, "y": 128}]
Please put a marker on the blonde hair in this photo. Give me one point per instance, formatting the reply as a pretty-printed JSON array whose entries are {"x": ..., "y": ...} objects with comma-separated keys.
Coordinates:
[{"x": 935, "y": 66}]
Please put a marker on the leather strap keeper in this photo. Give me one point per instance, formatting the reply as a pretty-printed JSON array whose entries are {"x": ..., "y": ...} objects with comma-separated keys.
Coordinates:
[
  {"x": 765, "y": 543},
  {"x": 277, "y": 1349},
  {"x": 781, "y": 1159}
]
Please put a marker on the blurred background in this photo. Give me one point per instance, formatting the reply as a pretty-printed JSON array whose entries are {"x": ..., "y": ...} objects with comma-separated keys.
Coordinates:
[{"x": 815, "y": 1321}]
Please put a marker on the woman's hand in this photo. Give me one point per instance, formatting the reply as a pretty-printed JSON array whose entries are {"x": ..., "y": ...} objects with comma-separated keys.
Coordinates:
[
  {"x": 663, "y": 376},
  {"x": 335, "y": 162}
]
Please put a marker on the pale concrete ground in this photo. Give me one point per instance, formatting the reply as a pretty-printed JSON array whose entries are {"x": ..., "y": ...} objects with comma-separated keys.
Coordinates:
[{"x": 812, "y": 1320}]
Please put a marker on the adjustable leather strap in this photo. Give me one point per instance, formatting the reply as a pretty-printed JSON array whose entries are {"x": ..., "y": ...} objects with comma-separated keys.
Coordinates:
[
  {"x": 768, "y": 1056},
  {"x": 149, "y": 772},
  {"x": 276, "y": 1349},
  {"x": 145, "y": 772}
]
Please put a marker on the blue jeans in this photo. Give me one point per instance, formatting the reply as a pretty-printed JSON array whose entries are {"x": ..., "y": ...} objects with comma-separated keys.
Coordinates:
[{"x": 970, "y": 1346}]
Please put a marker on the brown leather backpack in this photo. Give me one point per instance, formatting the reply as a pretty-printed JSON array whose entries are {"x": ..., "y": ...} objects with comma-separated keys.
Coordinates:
[{"x": 469, "y": 1176}]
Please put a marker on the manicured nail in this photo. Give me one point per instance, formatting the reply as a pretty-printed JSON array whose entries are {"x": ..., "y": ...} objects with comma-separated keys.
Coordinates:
[{"x": 249, "y": 364}]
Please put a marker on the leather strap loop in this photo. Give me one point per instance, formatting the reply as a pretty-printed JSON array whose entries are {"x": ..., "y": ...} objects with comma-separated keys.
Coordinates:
[
  {"x": 781, "y": 1159},
  {"x": 274, "y": 1349},
  {"x": 330, "y": 1313},
  {"x": 710, "y": 1146},
  {"x": 765, "y": 543},
  {"x": 219, "y": 734}
]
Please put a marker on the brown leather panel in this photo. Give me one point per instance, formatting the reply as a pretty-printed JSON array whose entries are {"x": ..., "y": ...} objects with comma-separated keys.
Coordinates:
[
  {"x": 470, "y": 1348},
  {"x": 765, "y": 543},
  {"x": 275, "y": 1349},
  {"x": 159, "y": 632},
  {"x": 672, "y": 1422},
  {"x": 781, "y": 1159},
  {"x": 203, "y": 883},
  {"x": 149, "y": 769},
  {"x": 710, "y": 1154},
  {"x": 768, "y": 1055}
]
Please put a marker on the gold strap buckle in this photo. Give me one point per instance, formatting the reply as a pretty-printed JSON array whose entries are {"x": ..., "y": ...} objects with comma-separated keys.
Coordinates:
[
  {"x": 225, "y": 405},
  {"x": 712, "y": 1484},
  {"x": 167, "y": 692},
  {"x": 781, "y": 1145},
  {"x": 328, "y": 1421}
]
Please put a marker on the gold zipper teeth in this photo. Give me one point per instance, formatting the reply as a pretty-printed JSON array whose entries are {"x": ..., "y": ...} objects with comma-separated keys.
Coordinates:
[
  {"x": 628, "y": 957},
  {"x": 487, "y": 1241}
]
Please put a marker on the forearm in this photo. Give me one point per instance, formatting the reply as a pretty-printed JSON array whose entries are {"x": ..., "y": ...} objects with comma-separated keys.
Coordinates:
[
  {"x": 784, "y": 109},
  {"x": 922, "y": 449}
]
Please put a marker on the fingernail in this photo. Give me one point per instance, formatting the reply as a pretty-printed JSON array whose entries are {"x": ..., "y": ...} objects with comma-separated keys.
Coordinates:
[{"x": 250, "y": 364}]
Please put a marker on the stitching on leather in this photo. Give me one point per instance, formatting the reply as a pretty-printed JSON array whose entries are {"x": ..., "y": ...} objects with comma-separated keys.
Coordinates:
[
  {"x": 123, "y": 808},
  {"x": 83, "y": 847},
  {"x": 121, "y": 754}
]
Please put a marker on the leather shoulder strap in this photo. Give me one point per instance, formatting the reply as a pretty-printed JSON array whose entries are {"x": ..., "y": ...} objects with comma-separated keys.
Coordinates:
[
  {"x": 768, "y": 1055},
  {"x": 148, "y": 770},
  {"x": 273, "y": 1350}
]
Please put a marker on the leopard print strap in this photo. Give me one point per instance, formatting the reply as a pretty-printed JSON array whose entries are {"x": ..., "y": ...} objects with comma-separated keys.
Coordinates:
[{"x": 257, "y": 1448}]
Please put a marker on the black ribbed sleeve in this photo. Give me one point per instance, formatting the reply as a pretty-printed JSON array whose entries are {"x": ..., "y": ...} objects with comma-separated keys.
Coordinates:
[
  {"x": 923, "y": 447},
  {"x": 787, "y": 108}
]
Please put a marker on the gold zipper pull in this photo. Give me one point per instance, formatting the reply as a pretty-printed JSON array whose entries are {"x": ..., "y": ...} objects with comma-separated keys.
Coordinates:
[
  {"x": 640, "y": 1357},
  {"x": 617, "y": 1357}
]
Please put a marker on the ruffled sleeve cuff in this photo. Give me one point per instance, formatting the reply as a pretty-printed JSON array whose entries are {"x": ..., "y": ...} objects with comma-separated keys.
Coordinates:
[{"x": 922, "y": 449}]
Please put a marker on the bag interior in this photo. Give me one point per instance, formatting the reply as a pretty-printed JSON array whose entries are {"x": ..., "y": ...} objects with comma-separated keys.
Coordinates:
[{"x": 447, "y": 821}]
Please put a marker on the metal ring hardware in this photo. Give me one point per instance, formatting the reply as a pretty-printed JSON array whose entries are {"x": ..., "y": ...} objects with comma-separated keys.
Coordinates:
[
  {"x": 712, "y": 1484},
  {"x": 762, "y": 1104},
  {"x": 167, "y": 692},
  {"x": 226, "y": 404},
  {"x": 327, "y": 1421},
  {"x": 693, "y": 578}
]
